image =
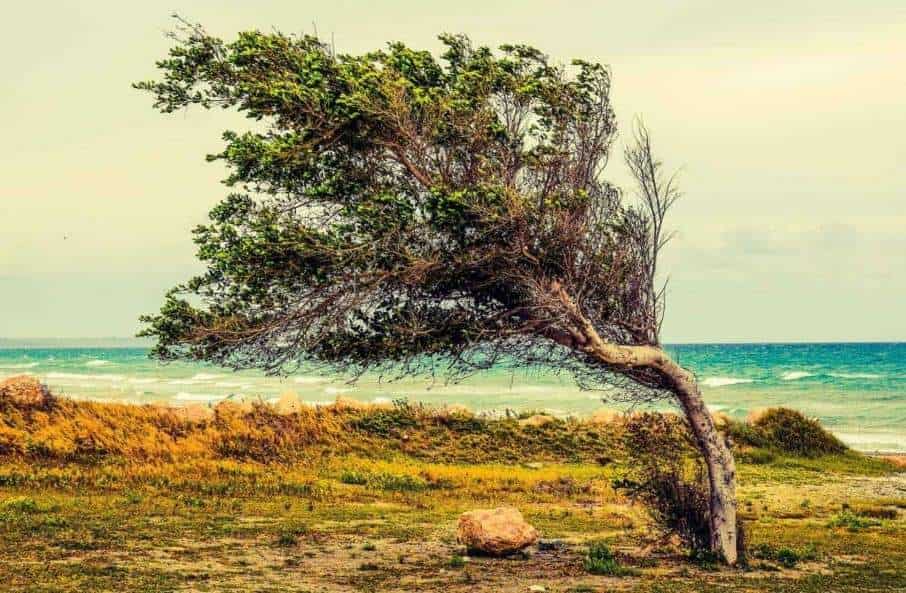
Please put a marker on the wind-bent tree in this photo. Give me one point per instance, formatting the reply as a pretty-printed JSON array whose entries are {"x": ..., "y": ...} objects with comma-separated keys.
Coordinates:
[{"x": 397, "y": 211}]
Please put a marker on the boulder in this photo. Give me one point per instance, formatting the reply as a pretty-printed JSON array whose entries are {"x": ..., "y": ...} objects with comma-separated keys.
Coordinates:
[
  {"x": 497, "y": 532},
  {"x": 25, "y": 391}
]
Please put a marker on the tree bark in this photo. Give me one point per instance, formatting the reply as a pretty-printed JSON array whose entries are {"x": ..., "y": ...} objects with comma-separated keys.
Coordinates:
[
  {"x": 717, "y": 455},
  {"x": 714, "y": 450}
]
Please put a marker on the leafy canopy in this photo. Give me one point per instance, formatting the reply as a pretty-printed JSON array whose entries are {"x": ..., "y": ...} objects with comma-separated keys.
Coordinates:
[{"x": 397, "y": 208}]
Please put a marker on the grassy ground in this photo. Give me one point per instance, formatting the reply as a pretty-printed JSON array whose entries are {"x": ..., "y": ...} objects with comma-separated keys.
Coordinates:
[{"x": 371, "y": 505}]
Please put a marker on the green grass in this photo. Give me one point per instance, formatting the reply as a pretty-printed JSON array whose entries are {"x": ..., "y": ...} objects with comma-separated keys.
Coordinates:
[{"x": 362, "y": 508}]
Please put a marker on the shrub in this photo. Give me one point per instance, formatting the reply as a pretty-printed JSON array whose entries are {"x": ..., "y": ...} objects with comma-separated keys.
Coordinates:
[
  {"x": 20, "y": 504},
  {"x": 668, "y": 477},
  {"x": 850, "y": 521},
  {"x": 457, "y": 561},
  {"x": 786, "y": 430},
  {"x": 667, "y": 474},
  {"x": 600, "y": 559},
  {"x": 787, "y": 558}
]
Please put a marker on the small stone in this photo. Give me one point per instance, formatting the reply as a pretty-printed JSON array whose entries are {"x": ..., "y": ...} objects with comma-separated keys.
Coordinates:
[
  {"x": 534, "y": 465},
  {"x": 537, "y": 589}
]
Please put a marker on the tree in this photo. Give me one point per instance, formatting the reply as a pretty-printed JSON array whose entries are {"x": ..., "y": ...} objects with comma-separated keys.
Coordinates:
[{"x": 398, "y": 212}]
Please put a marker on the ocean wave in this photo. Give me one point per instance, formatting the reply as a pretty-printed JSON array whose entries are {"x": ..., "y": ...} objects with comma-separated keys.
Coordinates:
[
  {"x": 796, "y": 375},
  {"x": 724, "y": 381},
  {"x": 856, "y": 375},
  {"x": 23, "y": 365},
  {"x": 97, "y": 363},
  {"x": 88, "y": 377},
  {"x": 142, "y": 381}
]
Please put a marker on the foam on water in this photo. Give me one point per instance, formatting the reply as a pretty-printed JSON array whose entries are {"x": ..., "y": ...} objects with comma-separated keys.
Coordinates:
[
  {"x": 856, "y": 375},
  {"x": 796, "y": 375},
  {"x": 97, "y": 363},
  {"x": 724, "y": 381}
]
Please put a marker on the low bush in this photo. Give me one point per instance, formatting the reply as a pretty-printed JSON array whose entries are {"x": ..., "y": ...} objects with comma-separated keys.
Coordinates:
[
  {"x": 600, "y": 559},
  {"x": 667, "y": 475},
  {"x": 667, "y": 478},
  {"x": 789, "y": 431},
  {"x": 850, "y": 521}
]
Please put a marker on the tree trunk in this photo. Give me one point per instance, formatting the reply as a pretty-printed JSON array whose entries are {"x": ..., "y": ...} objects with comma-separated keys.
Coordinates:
[
  {"x": 713, "y": 448},
  {"x": 720, "y": 464},
  {"x": 718, "y": 458}
]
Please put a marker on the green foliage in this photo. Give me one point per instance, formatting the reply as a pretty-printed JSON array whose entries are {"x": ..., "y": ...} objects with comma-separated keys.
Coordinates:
[
  {"x": 789, "y": 431},
  {"x": 19, "y": 504},
  {"x": 850, "y": 521},
  {"x": 457, "y": 561},
  {"x": 600, "y": 559},
  {"x": 396, "y": 208}
]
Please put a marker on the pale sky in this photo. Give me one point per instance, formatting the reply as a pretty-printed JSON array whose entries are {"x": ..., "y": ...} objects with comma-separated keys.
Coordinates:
[{"x": 788, "y": 119}]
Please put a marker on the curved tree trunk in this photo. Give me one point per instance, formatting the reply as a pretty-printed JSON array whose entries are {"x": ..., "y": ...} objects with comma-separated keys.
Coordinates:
[
  {"x": 717, "y": 455},
  {"x": 720, "y": 464},
  {"x": 713, "y": 448}
]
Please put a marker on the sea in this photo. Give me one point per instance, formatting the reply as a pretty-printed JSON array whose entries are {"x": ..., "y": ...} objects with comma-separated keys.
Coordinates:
[{"x": 856, "y": 390}]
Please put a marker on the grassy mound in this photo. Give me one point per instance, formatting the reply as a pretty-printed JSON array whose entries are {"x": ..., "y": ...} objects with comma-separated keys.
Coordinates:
[
  {"x": 786, "y": 430},
  {"x": 63, "y": 430},
  {"x": 40, "y": 427}
]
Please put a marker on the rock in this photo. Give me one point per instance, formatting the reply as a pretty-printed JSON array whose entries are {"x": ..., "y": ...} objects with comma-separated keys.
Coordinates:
[
  {"x": 25, "y": 391},
  {"x": 537, "y": 420},
  {"x": 534, "y": 465},
  {"x": 497, "y": 532},
  {"x": 537, "y": 589}
]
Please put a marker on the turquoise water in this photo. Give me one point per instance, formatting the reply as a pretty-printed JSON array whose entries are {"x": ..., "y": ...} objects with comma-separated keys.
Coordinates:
[{"x": 856, "y": 390}]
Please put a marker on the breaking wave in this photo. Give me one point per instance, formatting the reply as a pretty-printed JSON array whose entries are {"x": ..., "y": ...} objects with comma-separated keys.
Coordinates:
[
  {"x": 796, "y": 375},
  {"x": 724, "y": 381}
]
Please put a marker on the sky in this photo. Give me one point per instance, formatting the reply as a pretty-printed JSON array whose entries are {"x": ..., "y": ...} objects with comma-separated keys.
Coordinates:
[{"x": 786, "y": 119}]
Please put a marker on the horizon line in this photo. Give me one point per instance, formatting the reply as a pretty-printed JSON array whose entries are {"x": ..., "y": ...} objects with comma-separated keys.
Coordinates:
[{"x": 31, "y": 341}]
